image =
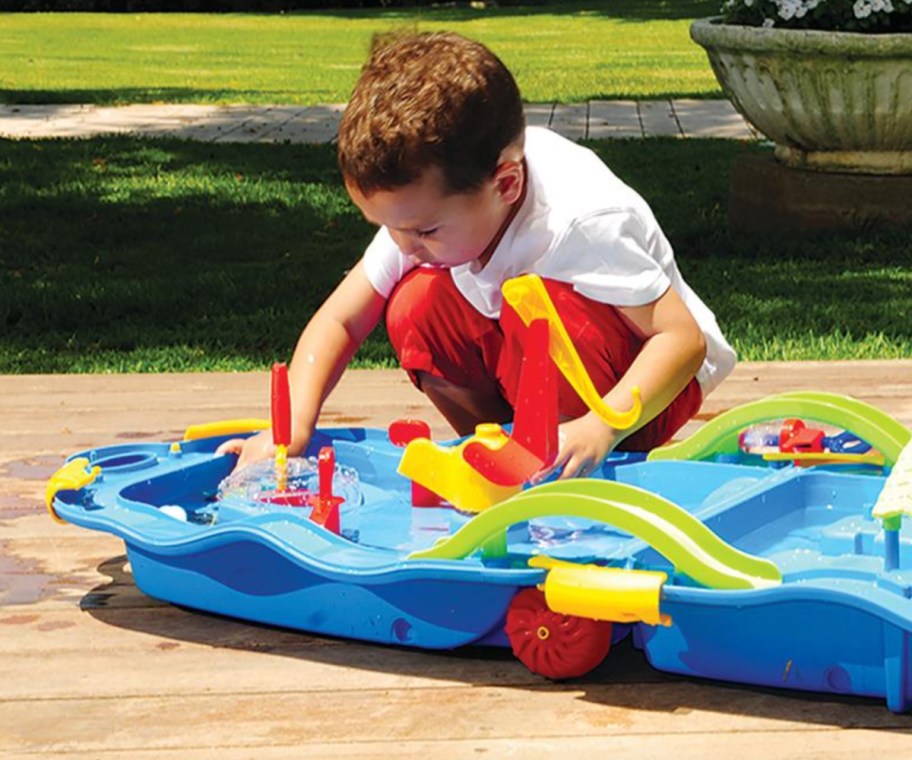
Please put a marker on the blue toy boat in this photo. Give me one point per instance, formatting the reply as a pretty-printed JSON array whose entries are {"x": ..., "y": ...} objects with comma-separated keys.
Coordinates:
[{"x": 719, "y": 563}]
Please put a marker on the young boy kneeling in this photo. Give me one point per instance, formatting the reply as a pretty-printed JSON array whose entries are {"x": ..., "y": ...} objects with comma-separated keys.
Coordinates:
[{"x": 434, "y": 150}]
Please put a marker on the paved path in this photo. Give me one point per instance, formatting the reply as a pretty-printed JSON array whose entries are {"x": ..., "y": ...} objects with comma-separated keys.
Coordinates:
[{"x": 597, "y": 119}]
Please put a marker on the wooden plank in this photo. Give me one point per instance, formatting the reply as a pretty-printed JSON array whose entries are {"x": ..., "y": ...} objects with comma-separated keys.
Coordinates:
[
  {"x": 822, "y": 744},
  {"x": 174, "y": 651},
  {"x": 122, "y": 403},
  {"x": 66, "y": 568},
  {"x": 45, "y": 414},
  {"x": 157, "y": 660},
  {"x": 295, "y": 716},
  {"x": 194, "y": 647}
]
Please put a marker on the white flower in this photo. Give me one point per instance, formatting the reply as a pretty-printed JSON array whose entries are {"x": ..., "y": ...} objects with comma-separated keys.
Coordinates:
[
  {"x": 862, "y": 8},
  {"x": 879, "y": 15},
  {"x": 788, "y": 8}
]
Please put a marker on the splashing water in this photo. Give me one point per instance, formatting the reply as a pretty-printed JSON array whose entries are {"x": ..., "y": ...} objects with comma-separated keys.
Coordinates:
[{"x": 257, "y": 482}]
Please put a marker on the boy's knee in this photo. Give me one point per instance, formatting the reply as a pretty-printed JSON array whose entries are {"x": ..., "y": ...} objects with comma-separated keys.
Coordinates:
[{"x": 415, "y": 304}]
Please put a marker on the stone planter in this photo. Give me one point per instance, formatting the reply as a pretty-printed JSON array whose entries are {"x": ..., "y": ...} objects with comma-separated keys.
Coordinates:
[{"x": 831, "y": 101}]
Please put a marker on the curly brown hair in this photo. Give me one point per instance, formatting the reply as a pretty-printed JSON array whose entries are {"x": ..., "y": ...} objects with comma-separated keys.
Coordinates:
[{"x": 428, "y": 99}]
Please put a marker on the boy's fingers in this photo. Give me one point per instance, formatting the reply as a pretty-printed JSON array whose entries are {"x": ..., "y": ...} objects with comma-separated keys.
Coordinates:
[
  {"x": 576, "y": 468},
  {"x": 571, "y": 469},
  {"x": 542, "y": 474},
  {"x": 558, "y": 465},
  {"x": 234, "y": 446}
]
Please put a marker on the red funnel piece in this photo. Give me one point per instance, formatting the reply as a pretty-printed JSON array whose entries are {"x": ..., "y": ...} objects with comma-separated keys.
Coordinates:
[{"x": 325, "y": 504}]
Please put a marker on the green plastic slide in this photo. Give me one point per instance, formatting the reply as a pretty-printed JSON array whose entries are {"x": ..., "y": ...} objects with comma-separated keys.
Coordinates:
[
  {"x": 672, "y": 531},
  {"x": 720, "y": 435}
]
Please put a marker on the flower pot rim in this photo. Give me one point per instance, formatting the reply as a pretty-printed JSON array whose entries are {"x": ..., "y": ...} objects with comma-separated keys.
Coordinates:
[{"x": 713, "y": 32}]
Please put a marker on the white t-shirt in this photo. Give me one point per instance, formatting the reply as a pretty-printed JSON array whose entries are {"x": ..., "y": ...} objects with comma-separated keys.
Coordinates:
[{"x": 578, "y": 224}]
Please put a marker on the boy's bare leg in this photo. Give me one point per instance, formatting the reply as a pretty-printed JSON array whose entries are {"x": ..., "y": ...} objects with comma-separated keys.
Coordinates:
[{"x": 464, "y": 408}]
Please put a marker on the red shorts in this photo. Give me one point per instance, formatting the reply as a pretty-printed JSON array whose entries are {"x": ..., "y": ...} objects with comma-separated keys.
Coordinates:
[{"x": 434, "y": 329}]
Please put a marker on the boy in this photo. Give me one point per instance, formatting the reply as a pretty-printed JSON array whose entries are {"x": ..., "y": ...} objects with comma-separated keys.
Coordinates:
[{"x": 433, "y": 149}]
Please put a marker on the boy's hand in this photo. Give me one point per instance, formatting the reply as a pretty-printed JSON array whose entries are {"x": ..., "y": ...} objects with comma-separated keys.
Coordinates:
[
  {"x": 249, "y": 450},
  {"x": 584, "y": 444}
]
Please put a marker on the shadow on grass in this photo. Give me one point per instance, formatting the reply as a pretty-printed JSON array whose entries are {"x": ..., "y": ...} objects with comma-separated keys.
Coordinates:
[
  {"x": 132, "y": 95},
  {"x": 166, "y": 251},
  {"x": 159, "y": 255},
  {"x": 65, "y": 99}
]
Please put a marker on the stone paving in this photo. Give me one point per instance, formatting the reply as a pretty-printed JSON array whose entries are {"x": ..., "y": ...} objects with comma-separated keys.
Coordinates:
[{"x": 596, "y": 119}]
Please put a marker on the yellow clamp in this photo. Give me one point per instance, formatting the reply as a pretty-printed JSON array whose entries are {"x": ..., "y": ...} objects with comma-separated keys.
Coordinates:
[
  {"x": 603, "y": 593},
  {"x": 73, "y": 476},
  {"x": 224, "y": 427}
]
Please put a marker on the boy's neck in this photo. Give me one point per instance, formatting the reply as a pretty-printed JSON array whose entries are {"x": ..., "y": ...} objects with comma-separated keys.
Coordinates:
[{"x": 482, "y": 261}]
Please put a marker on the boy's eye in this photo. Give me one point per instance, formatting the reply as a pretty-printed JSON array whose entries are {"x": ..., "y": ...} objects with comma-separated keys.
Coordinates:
[{"x": 427, "y": 233}]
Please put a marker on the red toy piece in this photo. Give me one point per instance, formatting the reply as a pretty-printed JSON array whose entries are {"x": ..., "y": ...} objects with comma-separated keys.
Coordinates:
[
  {"x": 551, "y": 644},
  {"x": 325, "y": 505},
  {"x": 533, "y": 444},
  {"x": 535, "y": 419},
  {"x": 289, "y": 498},
  {"x": 401, "y": 432},
  {"x": 281, "y": 405},
  {"x": 509, "y": 465},
  {"x": 797, "y": 437}
]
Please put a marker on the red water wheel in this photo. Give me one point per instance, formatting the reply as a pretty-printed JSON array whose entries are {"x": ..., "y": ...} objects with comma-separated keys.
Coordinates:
[{"x": 554, "y": 645}]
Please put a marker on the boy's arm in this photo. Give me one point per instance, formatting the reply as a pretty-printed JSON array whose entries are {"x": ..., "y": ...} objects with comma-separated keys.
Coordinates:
[
  {"x": 325, "y": 347},
  {"x": 673, "y": 352}
]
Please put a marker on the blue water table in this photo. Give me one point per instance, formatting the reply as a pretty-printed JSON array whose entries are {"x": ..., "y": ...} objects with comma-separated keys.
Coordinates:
[{"x": 784, "y": 563}]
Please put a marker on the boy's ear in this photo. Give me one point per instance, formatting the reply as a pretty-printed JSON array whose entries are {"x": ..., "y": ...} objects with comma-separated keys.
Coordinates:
[{"x": 509, "y": 178}]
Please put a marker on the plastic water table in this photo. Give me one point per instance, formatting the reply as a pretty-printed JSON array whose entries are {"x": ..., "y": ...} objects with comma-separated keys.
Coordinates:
[{"x": 788, "y": 571}]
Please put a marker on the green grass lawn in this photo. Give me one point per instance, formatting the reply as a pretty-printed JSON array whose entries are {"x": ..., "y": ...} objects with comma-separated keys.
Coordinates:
[
  {"x": 564, "y": 52},
  {"x": 139, "y": 255}
]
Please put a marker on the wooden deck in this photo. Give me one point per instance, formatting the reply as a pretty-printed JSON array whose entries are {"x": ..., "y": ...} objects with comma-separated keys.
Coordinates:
[{"x": 90, "y": 667}]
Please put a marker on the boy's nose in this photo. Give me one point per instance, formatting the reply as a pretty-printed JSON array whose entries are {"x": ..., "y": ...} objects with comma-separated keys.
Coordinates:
[{"x": 410, "y": 245}]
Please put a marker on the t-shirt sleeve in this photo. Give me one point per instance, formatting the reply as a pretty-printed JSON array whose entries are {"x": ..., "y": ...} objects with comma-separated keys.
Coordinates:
[
  {"x": 384, "y": 263},
  {"x": 609, "y": 257}
]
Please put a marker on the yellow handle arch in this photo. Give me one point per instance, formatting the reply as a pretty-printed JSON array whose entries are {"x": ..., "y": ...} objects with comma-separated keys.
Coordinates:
[{"x": 529, "y": 298}]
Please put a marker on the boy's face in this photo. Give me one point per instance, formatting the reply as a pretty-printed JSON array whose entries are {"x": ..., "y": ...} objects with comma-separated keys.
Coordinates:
[{"x": 437, "y": 228}]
